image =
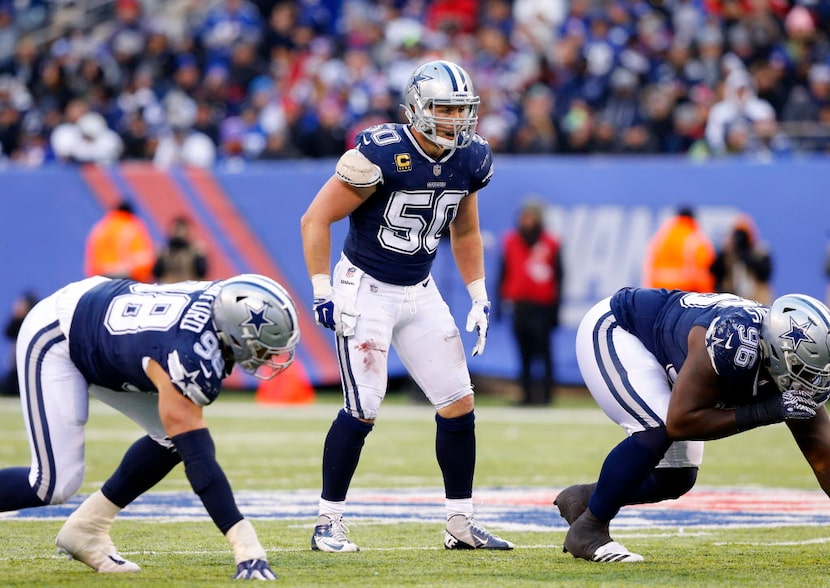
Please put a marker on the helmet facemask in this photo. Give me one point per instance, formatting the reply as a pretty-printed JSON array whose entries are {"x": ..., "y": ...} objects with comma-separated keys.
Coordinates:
[
  {"x": 265, "y": 361},
  {"x": 795, "y": 339},
  {"x": 432, "y": 86},
  {"x": 256, "y": 320}
]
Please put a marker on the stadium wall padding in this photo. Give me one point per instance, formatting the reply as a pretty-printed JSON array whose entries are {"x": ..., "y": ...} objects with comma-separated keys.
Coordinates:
[{"x": 604, "y": 210}]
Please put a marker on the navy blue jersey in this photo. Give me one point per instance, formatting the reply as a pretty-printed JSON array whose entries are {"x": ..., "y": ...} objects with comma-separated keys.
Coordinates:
[
  {"x": 119, "y": 323},
  {"x": 662, "y": 320},
  {"x": 394, "y": 234}
]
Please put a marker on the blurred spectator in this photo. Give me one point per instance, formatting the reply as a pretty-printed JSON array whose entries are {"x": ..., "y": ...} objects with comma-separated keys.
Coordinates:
[
  {"x": 578, "y": 129},
  {"x": 680, "y": 255},
  {"x": 278, "y": 145},
  {"x": 688, "y": 122},
  {"x": 605, "y": 138},
  {"x": 119, "y": 246},
  {"x": 740, "y": 106},
  {"x": 324, "y": 134},
  {"x": 20, "y": 308},
  {"x": 226, "y": 24},
  {"x": 243, "y": 68},
  {"x": 24, "y": 65},
  {"x": 128, "y": 39},
  {"x": 452, "y": 16},
  {"x": 139, "y": 144},
  {"x": 182, "y": 146},
  {"x": 89, "y": 140},
  {"x": 181, "y": 259},
  {"x": 8, "y": 32},
  {"x": 536, "y": 22},
  {"x": 743, "y": 266},
  {"x": 623, "y": 108},
  {"x": 804, "y": 108},
  {"x": 529, "y": 291},
  {"x": 536, "y": 131}
]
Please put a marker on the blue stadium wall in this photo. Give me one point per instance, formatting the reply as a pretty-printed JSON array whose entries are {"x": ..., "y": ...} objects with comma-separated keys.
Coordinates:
[{"x": 605, "y": 211}]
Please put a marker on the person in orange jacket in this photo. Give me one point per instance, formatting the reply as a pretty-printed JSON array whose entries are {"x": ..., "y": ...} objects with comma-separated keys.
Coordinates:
[
  {"x": 119, "y": 246},
  {"x": 679, "y": 255}
]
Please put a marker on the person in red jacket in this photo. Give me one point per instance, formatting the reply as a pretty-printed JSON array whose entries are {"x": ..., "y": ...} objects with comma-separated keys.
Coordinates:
[{"x": 530, "y": 286}]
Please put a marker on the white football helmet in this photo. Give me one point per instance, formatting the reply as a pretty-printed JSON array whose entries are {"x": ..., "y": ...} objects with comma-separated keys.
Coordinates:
[
  {"x": 256, "y": 320},
  {"x": 795, "y": 339},
  {"x": 442, "y": 83}
]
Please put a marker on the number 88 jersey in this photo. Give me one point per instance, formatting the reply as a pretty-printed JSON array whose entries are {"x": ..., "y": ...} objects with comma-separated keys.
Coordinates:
[
  {"x": 394, "y": 234},
  {"x": 119, "y": 324}
]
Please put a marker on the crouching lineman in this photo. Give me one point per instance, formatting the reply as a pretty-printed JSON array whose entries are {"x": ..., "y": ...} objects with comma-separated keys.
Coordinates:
[
  {"x": 677, "y": 368},
  {"x": 157, "y": 354}
]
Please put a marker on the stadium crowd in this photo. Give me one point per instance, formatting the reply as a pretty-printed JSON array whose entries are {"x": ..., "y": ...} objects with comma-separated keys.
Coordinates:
[{"x": 204, "y": 82}]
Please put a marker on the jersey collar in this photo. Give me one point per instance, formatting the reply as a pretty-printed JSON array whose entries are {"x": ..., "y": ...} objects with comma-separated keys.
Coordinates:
[{"x": 447, "y": 154}]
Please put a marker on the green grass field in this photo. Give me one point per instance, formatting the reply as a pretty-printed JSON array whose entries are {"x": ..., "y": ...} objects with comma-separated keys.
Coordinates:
[{"x": 272, "y": 448}]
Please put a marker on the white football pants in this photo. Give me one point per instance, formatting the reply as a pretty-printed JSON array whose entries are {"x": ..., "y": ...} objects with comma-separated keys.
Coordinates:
[
  {"x": 627, "y": 381},
  {"x": 416, "y": 322},
  {"x": 54, "y": 397}
]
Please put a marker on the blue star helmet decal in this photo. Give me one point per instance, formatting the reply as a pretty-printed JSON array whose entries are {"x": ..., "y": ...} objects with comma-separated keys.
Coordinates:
[
  {"x": 257, "y": 319},
  {"x": 418, "y": 78},
  {"x": 798, "y": 333}
]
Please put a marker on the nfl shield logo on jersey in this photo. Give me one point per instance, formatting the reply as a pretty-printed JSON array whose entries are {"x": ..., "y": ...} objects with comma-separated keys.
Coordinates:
[{"x": 436, "y": 170}]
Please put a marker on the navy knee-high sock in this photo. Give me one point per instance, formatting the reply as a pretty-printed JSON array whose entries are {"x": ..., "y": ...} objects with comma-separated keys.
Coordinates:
[
  {"x": 625, "y": 468},
  {"x": 455, "y": 448},
  {"x": 341, "y": 453},
  {"x": 15, "y": 491},
  {"x": 144, "y": 465},
  {"x": 664, "y": 484}
]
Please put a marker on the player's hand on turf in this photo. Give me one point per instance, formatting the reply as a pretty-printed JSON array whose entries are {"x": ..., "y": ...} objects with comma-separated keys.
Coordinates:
[
  {"x": 324, "y": 311},
  {"x": 479, "y": 319},
  {"x": 798, "y": 404},
  {"x": 254, "y": 569}
]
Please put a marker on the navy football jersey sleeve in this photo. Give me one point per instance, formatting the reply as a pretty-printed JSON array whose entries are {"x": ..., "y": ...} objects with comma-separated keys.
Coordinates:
[
  {"x": 394, "y": 235},
  {"x": 733, "y": 342},
  {"x": 120, "y": 324},
  {"x": 481, "y": 162}
]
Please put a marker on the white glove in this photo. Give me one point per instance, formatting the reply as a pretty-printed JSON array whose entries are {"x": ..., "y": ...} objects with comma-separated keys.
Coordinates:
[
  {"x": 798, "y": 404},
  {"x": 479, "y": 319}
]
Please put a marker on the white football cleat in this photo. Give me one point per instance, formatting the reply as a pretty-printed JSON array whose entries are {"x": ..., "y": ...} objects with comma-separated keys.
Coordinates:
[
  {"x": 330, "y": 536},
  {"x": 464, "y": 533},
  {"x": 93, "y": 548},
  {"x": 615, "y": 552}
]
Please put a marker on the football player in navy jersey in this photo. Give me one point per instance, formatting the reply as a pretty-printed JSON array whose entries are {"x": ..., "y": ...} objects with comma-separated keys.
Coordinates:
[
  {"x": 157, "y": 354},
  {"x": 403, "y": 187},
  {"x": 675, "y": 369}
]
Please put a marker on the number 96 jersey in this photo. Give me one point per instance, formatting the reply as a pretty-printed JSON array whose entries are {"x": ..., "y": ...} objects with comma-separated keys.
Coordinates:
[
  {"x": 662, "y": 320},
  {"x": 119, "y": 324},
  {"x": 394, "y": 234}
]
